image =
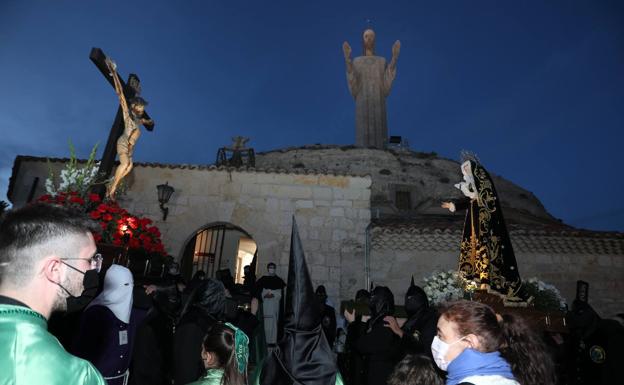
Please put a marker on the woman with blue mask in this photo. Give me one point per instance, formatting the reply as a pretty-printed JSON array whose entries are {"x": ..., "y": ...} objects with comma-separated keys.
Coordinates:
[{"x": 475, "y": 345}]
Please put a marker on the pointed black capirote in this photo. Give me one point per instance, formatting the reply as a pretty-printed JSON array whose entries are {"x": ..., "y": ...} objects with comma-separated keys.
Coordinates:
[
  {"x": 412, "y": 283},
  {"x": 304, "y": 356},
  {"x": 302, "y": 309}
]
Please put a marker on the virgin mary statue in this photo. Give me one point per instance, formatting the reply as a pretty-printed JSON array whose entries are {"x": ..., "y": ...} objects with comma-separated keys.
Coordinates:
[{"x": 486, "y": 254}]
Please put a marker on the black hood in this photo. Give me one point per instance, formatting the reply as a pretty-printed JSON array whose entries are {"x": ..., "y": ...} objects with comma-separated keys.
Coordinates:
[
  {"x": 304, "y": 355},
  {"x": 321, "y": 293},
  {"x": 209, "y": 296},
  {"x": 415, "y": 300},
  {"x": 381, "y": 304},
  {"x": 583, "y": 319},
  {"x": 362, "y": 295},
  {"x": 167, "y": 300}
]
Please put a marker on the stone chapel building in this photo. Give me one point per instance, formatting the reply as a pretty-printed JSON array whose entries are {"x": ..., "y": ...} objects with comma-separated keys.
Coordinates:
[{"x": 364, "y": 215}]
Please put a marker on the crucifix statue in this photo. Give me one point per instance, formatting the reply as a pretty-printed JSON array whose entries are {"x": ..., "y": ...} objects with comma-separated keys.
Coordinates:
[
  {"x": 370, "y": 80},
  {"x": 125, "y": 131}
]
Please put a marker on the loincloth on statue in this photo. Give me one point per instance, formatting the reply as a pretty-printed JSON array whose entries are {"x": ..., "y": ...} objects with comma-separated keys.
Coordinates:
[{"x": 123, "y": 144}]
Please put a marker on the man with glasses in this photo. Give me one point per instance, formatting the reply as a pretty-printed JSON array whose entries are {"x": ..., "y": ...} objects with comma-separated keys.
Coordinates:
[{"x": 47, "y": 256}]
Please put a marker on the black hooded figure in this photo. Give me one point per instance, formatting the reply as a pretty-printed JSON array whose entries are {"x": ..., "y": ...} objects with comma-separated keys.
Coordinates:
[
  {"x": 328, "y": 315},
  {"x": 486, "y": 254},
  {"x": 205, "y": 307},
  {"x": 596, "y": 347},
  {"x": 152, "y": 356},
  {"x": 421, "y": 324},
  {"x": 379, "y": 344},
  {"x": 356, "y": 362},
  {"x": 303, "y": 355}
]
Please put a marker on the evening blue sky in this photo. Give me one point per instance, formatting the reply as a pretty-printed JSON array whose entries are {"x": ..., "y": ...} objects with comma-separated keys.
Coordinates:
[{"x": 535, "y": 88}]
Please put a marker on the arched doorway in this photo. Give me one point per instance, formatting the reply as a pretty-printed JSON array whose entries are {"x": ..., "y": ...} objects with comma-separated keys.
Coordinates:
[{"x": 218, "y": 246}]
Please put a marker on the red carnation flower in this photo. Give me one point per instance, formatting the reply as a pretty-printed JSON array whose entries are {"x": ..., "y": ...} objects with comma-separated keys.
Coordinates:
[
  {"x": 154, "y": 230},
  {"x": 94, "y": 198},
  {"x": 77, "y": 199},
  {"x": 132, "y": 222}
]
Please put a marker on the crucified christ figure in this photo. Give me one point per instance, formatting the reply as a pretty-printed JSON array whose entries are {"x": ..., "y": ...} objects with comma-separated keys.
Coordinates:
[{"x": 133, "y": 118}]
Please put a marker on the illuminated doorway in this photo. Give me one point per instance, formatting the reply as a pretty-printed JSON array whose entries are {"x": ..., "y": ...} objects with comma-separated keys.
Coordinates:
[{"x": 216, "y": 247}]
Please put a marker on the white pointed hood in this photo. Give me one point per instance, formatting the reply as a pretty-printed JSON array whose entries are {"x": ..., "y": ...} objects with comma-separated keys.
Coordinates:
[{"x": 117, "y": 293}]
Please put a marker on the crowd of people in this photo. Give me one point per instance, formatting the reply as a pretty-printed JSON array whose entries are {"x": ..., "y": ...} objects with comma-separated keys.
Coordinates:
[{"x": 119, "y": 331}]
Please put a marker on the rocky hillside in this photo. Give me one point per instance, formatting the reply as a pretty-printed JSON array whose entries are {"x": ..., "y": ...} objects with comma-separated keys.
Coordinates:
[{"x": 426, "y": 177}]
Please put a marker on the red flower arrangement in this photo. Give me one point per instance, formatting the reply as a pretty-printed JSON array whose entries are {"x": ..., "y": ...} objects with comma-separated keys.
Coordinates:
[{"x": 118, "y": 226}]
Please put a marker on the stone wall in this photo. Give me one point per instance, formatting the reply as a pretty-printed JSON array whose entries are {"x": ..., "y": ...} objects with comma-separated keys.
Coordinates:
[
  {"x": 332, "y": 213},
  {"x": 604, "y": 272}
]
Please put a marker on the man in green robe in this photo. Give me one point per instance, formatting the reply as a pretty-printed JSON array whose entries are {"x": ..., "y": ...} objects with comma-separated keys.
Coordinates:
[{"x": 47, "y": 254}]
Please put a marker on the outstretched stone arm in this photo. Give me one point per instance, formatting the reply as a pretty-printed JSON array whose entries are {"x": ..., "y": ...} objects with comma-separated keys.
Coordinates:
[
  {"x": 352, "y": 79},
  {"x": 396, "y": 49},
  {"x": 390, "y": 72}
]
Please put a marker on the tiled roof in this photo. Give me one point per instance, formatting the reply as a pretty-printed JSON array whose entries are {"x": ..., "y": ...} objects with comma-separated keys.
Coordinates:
[
  {"x": 208, "y": 167},
  {"x": 439, "y": 234}
]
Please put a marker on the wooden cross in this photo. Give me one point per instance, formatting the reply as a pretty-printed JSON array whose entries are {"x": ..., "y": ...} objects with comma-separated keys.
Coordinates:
[{"x": 131, "y": 89}]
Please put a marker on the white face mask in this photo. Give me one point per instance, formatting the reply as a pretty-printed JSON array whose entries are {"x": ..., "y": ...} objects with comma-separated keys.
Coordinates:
[
  {"x": 439, "y": 349},
  {"x": 271, "y": 271}
]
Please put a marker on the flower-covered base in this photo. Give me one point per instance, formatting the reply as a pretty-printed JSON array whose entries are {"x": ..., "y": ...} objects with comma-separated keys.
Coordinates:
[
  {"x": 551, "y": 321},
  {"x": 544, "y": 310}
]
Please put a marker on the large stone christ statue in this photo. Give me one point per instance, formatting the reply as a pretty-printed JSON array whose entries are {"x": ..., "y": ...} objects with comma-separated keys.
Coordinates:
[{"x": 370, "y": 81}]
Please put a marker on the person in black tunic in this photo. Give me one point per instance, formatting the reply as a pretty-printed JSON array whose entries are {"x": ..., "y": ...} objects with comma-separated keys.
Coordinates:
[
  {"x": 303, "y": 356},
  {"x": 153, "y": 349},
  {"x": 328, "y": 315},
  {"x": 249, "y": 279},
  {"x": 381, "y": 346},
  {"x": 421, "y": 325},
  {"x": 198, "y": 277},
  {"x": 356, "y": 362},
  {"x": 205, "y": 307},
  {"x": 596, "y": 349}
]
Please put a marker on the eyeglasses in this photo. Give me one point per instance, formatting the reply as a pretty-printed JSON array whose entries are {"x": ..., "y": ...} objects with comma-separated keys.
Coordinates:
[{"x": 95, "y": 261}]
